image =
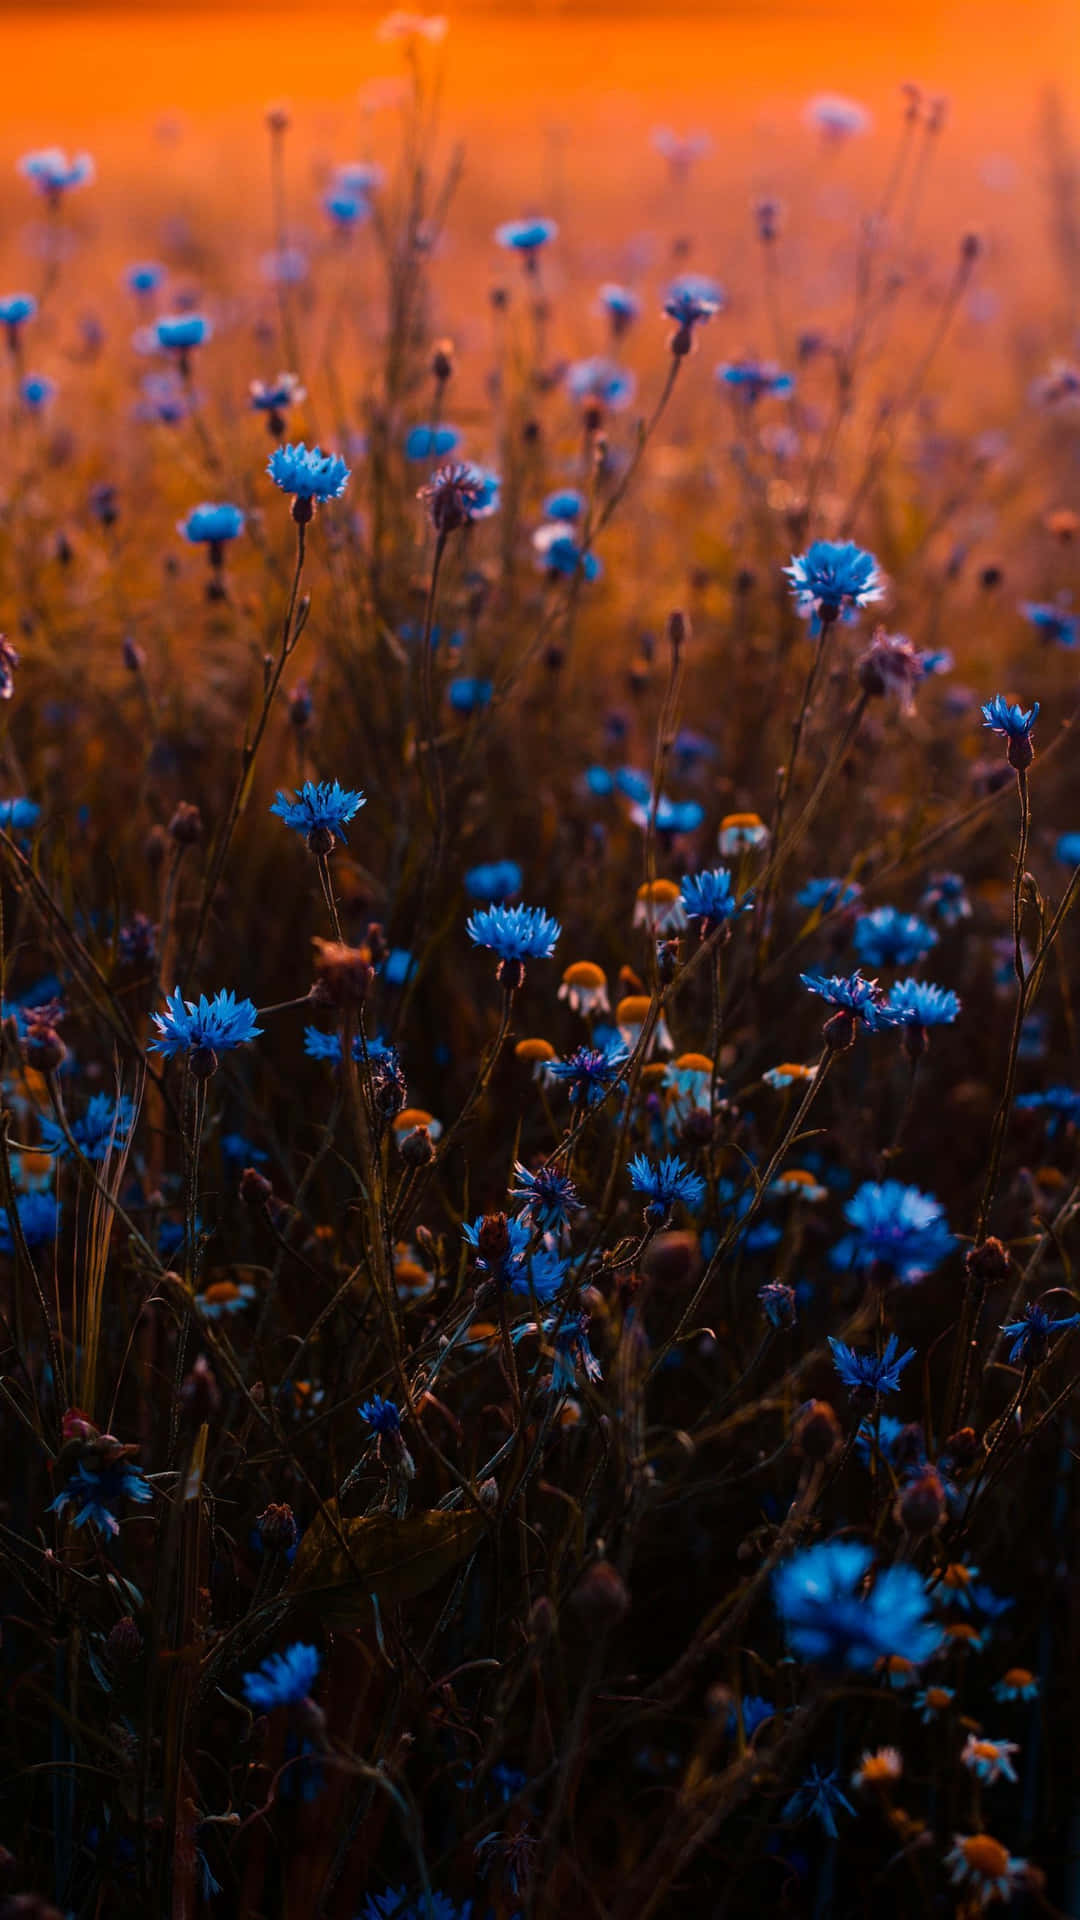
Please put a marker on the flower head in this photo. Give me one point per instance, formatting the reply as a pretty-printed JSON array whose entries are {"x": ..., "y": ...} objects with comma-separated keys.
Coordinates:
[
  {"x": 14, "y": 309},
  {"x": 820, "y": 1798},
  {"x": 1014, "y": 725},
  {"x": 1052, "y": 622},
  {"x": 665, "y": 1182},
  {"x": 754, "y": 380},
  {"x": 547, "y": 1196},
  {"x": 179, "y": 332},
  {"x": 922, "y": 1004},
  {"x": 284, "y": 1679},
  {"x": 205, "y": 1028},
  {"x": 832, "y": 1617},
  {"x": 589, "y": 1073},
  {"x": 888, "y": 938},
  {"x": 310, "y": 476},
  {"x": 851, "y": 994},
  {"x": 895, "y": 1228},
  {"x": 212, "y": 524},
  {"x": 98, "y": 1485},
  {"x": 514, "y": 933},
  {"x": 99, "y": 1131},
  {"x": 710, "y": 899},
  {"x": 827, "y": 895},
  {"x": 987, "y": 1869},
  {"x": 989, "y": 1760},
  {"x": 602, "y": 381},
  {"x": 38, "y": 1216},
  {"x": 321, "y": 810},
  {"x": 145, "y": 276},
  {"x": 458, "y": 494},
  {"x": 526, "y": 236},
  {"x": 833, "y": 578},
  {"x": 495, "y": 880},
  {"x": 871, "y": 1372},
  {"x": 54, "y": 172},
  {"x": 1032, "y": 1333},
  {"x": 692, "y": 299}
]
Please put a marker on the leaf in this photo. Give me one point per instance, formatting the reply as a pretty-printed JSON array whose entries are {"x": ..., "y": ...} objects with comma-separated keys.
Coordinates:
[{"x": 339, "y": 1563}]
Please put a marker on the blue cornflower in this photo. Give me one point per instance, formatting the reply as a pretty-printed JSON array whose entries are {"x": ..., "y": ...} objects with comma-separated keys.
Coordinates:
[
  {"x": 671, "y": 816},
  {"x": 311, "y": 476},
  {"x": 212, "y": 524},
  {"x": 526, "y": 236},
  {"x": 1052, "y": 622},
  {"x": 888, "y": 938},
  {"x": 104, "y": 1127},
  {"x": 273, "y": 396},
  {"x": 39, "y": 1218},
  {"x": 514, "y": 933},
  {"x": 710, "y": 899},
  {"x": 395, "y": 1904},
  {"x": 145, "y": 276},
  {"x": 382, "y": 1416},
  {"x": 18, "y": 815},
  {"x": 871, "y": 1372},
  {"x": 1067, "y": 849},
  {"x": 547, "y": 1196},
  {"x": 495, "y": 880},
  {"x": 431, "y": 443},
  {"x": 946, "y": 896},
  {"x": 179, "y": 332},
  {"x": 854, "y": 995},
  {"x": 921, "y": 1004},
  {"x": 205, "y": 1028},
  {"x": 571, "y": 1349},
  {"x": 1014, "y": 725},
  {"x": 692, "y": 299},
  {"x": 284, "y": 1679},
  {"x": 831, "y": 1618},
  {"x": 93, "y": 1492},
  {"x": 468, "y": 694},
  {"x": 665, "y": 1182},
  {"x": 601, "y": 380},
  {"x": 459, "y": 494},
  {"x": 832, "y": 578},
  {"x": 589, "y": 1073},
  {"x": 621, "y": 305},
  {"x": 14, "y": 309},
  {"x": 54, "y": 172},
  {"x": 1061, "y": 1104},
  {"x": 778, "y": 1303},
  {"x": 327, "y": 1046},
  {"x": 557, "y": 551},
  {"x": 754, "y": 379},
  {"x": 895, "y": 1227},
  {"x": 321, "y": 810},
  {"x": 36, "y": 390},
  {"x": 511, "y": 1266},
  {"x": 346, "y": 210},
  {"x": 1032, "y": 1333},
  {"x": 877, "y": 1434},
  {"x": 820, "y": 1798},
  {"x": 240, "y": 1150},
  {"x": 754, "y": 1710},
  {"x": 824, "y": 896},
  {"x": 567, "y": 505}
]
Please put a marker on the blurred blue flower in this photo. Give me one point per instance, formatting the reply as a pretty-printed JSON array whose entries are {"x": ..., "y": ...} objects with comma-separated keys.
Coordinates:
[
  {"x": 832, "y": 1618},
  {"x": 896, "y": 1227},
  {"x": 946, "y": 896},
  {"x": 888, "y": 938},
  {"x": 853, "y": 994},
  {"x": 710, "y": 899},
  {"x": 36, "y": 390},
  {"x": 18, "y": 815},
  {"x": 144, "y": 277},
  {"x": 601, "y": 380},
  {"x": 1067, "y": 849},
  {"x": 921, "y": 1004},
  {"x": 102, "y": 1129},
  {"x": 39, "y": 1217},
  {"x": 558, "y": 552},
  {"x": 347, "y": 210},
  {"x": 469, "y": 695},
  {"x": 824, "y": 896},
  {"x": 431, "y": 443},
  {"x": 590, "y": 1072},
  {"x": 754, "y": 379},
  {"x": 284, "y": 1679},
  {"x": 51, "y": 170},
  {"x": 381, "y": 1416},
  {"x": 94, "y": 1492},
  {"x": 14, "y": 309},
  {"x": 1052, "y": 623},
  {"x": 212, "y": 524},
  {"x": 494, "y": 880},
  {"x": 526, "y": 236},
  {"x": 1032, "y": 1333},
  {"x": 179, "y": 332},
  {"x": 692, "y": 299},
  {"x": 567, "y": 505}
]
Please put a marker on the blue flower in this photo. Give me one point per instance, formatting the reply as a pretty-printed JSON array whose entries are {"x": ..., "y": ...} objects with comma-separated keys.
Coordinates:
[
  {"x": 1067, "y": 849},
  {"x": 754, "y": 1710},
  {"x": 313, "y": 475},
  {"x": 601, "y": 380},
  {"x": 514, "y": 933},
  {"x": 589, "y": 1073},
  {"x": 547, "y": 1196},
  {"x": 469, "y": 695},
  {"x": 778, "y": 1303},
  {"x": 1052, "y": 622},
  {"x": 346, "y": 209},
  {"x": 274, "y": 396},
  {"x": 360, "y": 176},
  {"x": 565, "y": 505},
  {"x": 888, "y": 938},
  {"x": 946, "y": 896},
  {"x": 830, "y": 1617},
  {"x": 18, "y": 815},
  {"x": 495, "y": 880},
  {"x": 871, "y": 1372},
  {"x": 15, "y": 308},
  {"x": 514, "y": 1268},
  {"x": 431, "y": 443},
  {"x": 94, "y": 1492},
  {"x": 693, "y": 298},
  {"x": 39, "y": 1218},
  {"x": 458, "y": 494},
  {"x": 621, "y": 304},
  {"x": 212, "y": 523},
  {"x": 824, "y": 896},
  {"x": 179, "y": 332},
  {"x": 1062, "y": 1104},
  {"x": 709, "y": 898},
  {"x": 284, "y": 1679},
  {"x": 206, "y": 1027},
  {"x": 396, "y": 1905},
  {"x": 1032, "y": 1333},
  {"x": 240, "y": 1150},
  {"x": 754, "y": 379},
  {"x": 382, "y": 1416},
  {"x": 319, "y": 809},
  {"x": 896, "y": 1227},
  {"x": 525, "y": 236},
  {"x": 36, "y": 390},
  {"x": 558, "y": 552},
  {"x": 570, "y": 1339},
  {"x": 104, "y": 1127},
  {"x": 53, "y": 172},
  {"x": 665, "y": 1182},
  {"x": 921, "y": 1004},
  {"x": 145, "y": 276},
  {"x": 878, "y": 1434},
  {"x": 820, "y": 1798},
  {"x": 327, "y": 1046},
  {"x": 852, "y": 994},
  {"x": 1014, "y": 724},
  {"x": 833, "y": 578}
]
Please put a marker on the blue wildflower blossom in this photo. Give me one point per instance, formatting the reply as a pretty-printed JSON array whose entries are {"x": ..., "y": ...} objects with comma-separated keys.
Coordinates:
[
  {"x": 877, "y": 1435},
  {"x": 888, "y": 938},
  {"x": 458, "y": 494},
  {"x": 558, "y": 552},
  {"x": 894, "y": 1227},
  {"x": 946, "y": 897},
  {"x": 1032, "y": 1333},
  {"x": 754, "y": 380},
  {"x": 601, "y": 380},
  {"x": 204, "y": 1027},
  {"x": 284, "y": 1679},
  {"x": 15, "y": 308},
  {"x": 469, "y": 695},
  {"x": 820, "y": 1798},
  {"x": 1067, "y": 849},
  {"x": 874, "y": 1373},
  {"x": 754, "y": 1710},
  {"x": 180, "y": 332},
  {"x": 431, "y": 443},
  {"x": 546, "y": 1195},
  {"x": 1052, "y": 623},
  {"x": 18, "y": 815},
  {"x": 1060, "y": 1104},
  {"x": 494, "y": 880},
  {"x": 53, "y": 172},
  {"x": 778, "y": 1304},
  {"x": 212, "y": 524},
  {"x": 830, "y": 1617},
  {"x": 921, "y": 1004},
  {"x": 144, "y": 277},
  {"x": 833, "y": 578},
  {"x": 621, "y": 305},
  {"x": 273, "y": 396},
  {"x": 321, "y": 810},
  {"x": 710, "y": 899},
  {"x": 395, "y": 1904},
  {"x": 38, "y": 1216},
  {"x": 826, "y": 895},
  {"x": 571, "y": 1350},
  {"x": 382, "y": 1416},
  {"x": 526, "y": 236},
  {"x": 1014, "y": 724},
  {"x": 327, "y": 1046},
  {"x": 514, "y": 933},
  {"x": 567, "y": 504},
  {"x": 852, "y": 994},
  {"x": 237, "y": 1148},
  {"x": 36, "y": 390},
  {"x": 512, "y": 1266},
  {"x": 692, "y": 299},
  {"x": 308, "y": 475},
  {"x": 104, "y": 1127},
  {"x": 665, "y": 1182},
  {"x": 589, "y": 1073},
  {"x": 346, "y": 210},
  {"x": 94, "y": 1492}
]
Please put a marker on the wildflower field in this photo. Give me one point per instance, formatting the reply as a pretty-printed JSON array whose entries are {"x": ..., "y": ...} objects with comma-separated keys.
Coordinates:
[{"x": 539, "y": 1098}]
